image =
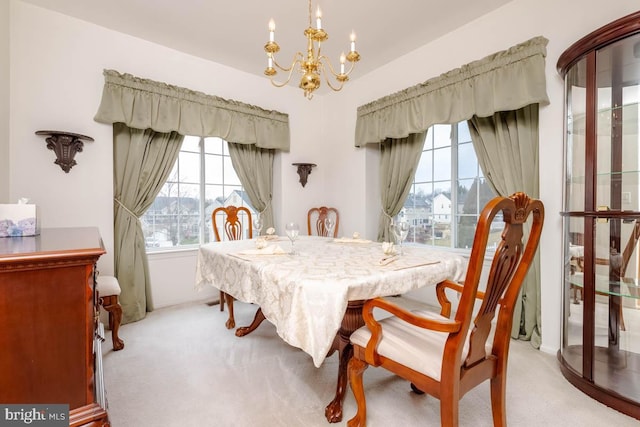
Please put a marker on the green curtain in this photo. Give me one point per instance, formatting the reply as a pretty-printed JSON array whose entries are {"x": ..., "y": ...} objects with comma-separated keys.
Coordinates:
[
  {"x": 399, "y": 160},
  {"x": 504, "y": 81},
  {"x": 149, "y": 120},
  {"x": 147, "y": 104},
  {"x": 503, "y": 88},
  {"x": 254, "y": 167},
  {"x": 142, "y": 161},
  {"x": 506, "y": 145}
]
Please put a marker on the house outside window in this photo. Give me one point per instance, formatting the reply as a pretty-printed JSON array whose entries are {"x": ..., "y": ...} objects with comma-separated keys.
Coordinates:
[
  {"x": 202, "y": 180},
  {"x": 448, "y": 191}
]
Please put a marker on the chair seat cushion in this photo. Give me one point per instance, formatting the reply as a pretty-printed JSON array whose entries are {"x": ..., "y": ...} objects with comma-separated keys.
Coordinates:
[
  {"x": 108, "y": 285},
  {"x": 417, "y": 348}
]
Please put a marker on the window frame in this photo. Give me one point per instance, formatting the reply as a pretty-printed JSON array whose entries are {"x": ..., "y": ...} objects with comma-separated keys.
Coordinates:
[
  {"x": 454, "y": 182},
  {"x": 204, "y": 219}
]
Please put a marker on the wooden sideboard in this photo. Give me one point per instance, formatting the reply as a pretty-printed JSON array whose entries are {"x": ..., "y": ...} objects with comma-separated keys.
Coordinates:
[{"x": 50, "y": 333}]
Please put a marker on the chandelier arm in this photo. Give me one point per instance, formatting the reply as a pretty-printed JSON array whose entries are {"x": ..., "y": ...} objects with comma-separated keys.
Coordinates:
[
  {"x": 326, "y": 75},
  {"x": 326, "y": 61},
  {"x": 297, "y": 58},
  {"x": 289, "y": 75},
  {"x": 334, "y": 88}
]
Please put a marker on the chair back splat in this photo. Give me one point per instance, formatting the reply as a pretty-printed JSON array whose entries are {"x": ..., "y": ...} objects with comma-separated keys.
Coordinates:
[
  {"x": 232, "y": 224},
  {"x": 315, "y": 221},
  {"x": 443, "y": 356},
  {"x": 232, "y": 227}
]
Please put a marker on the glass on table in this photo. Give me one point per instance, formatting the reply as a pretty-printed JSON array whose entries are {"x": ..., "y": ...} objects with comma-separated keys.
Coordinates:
[
  {"x": 329, "y": 224},
  {"x": 400, "y": 230},
  {"x": 293, "y": 230},
  {"x": 258, "y": 223}
]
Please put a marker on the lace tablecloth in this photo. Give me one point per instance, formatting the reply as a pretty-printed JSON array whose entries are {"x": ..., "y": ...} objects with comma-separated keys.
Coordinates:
[{"x": 305, "y": 295}]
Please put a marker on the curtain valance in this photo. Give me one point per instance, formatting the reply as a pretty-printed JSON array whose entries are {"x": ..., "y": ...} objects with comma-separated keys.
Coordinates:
[
  {"x": 147, "y": 104},
  {"x": 504, "y": 81}
]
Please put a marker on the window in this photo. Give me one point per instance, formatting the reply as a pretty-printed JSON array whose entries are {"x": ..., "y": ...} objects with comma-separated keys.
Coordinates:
[
  {"x": 202, "y": 179},
  {"x": 448, "y": 191}
]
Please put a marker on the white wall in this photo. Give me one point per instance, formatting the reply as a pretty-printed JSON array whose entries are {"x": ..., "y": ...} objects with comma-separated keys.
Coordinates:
[
  {"x": 4, "y": 102},
  {"x": 56, "y": 67}
]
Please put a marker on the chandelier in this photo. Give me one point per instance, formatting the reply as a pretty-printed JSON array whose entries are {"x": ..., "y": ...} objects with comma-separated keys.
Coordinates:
[{"x": 314, "y": 63}]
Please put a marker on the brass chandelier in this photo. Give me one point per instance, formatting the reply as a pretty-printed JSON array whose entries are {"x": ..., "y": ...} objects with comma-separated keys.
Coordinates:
[{"x": 314, "y": 63}]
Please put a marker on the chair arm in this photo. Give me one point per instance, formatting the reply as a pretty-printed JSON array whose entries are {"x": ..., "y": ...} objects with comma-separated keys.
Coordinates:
[
  {"x": 442, "y": 296},
  {"x": 371, "y": 352}
]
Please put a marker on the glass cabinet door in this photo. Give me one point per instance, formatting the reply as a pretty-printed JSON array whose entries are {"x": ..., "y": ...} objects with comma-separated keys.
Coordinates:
[{"x": 600, "y": 350}]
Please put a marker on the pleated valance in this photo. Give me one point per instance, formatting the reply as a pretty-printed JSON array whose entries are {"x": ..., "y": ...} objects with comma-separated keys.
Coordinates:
[
  {"x": 146, "y": 104},
  {"x": 504, "y": 81}
]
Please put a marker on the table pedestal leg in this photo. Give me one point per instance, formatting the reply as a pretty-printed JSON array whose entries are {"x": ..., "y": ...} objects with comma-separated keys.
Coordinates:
[
  {"x": 352, "y": 320},
  {"x": 257, "y": 320}
]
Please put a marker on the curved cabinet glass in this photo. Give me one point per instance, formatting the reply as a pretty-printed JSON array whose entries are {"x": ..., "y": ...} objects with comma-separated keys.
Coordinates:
[{"x": 600, "y": 351}]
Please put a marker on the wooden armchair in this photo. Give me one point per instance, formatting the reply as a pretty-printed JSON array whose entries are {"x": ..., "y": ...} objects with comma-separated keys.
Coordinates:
[
  {"x": 232, "y": 226},
  {"x": 315, "y": 221},
  {"x": 448, "y": 357}
]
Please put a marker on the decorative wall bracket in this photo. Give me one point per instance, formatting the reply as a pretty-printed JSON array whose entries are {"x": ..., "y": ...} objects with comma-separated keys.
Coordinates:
[
  {"x": 304, "y": 170},
  {"x": 65, "y": 145}
]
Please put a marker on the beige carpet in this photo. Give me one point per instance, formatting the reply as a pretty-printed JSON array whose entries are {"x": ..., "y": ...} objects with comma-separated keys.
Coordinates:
[{"x": 181, "y": 367}]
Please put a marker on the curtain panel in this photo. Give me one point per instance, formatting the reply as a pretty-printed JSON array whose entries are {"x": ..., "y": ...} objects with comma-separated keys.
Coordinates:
[
  {"x": 254, "y": 167},
  {"x": 504, "y": 81},
  {"x": 147, "y": 104}
]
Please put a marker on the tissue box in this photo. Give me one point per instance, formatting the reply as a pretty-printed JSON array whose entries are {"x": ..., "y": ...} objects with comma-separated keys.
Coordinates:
[{"x": 19, "y": 220}]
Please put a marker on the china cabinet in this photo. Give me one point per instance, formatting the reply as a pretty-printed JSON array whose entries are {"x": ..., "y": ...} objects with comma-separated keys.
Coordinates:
[{"x": 600, "y": 350}]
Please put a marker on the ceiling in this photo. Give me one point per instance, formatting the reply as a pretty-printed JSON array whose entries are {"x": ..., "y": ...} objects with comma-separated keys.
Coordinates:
[{"x": 233, "y": 33}]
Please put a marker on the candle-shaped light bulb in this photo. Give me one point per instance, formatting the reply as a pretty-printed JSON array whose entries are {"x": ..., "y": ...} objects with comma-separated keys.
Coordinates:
[
  {"x": 343, "y": 58},
  {"x": 318, "y": 19},
  {"x": 353, "y": 41},
  {"x": 272, "y": 30}
]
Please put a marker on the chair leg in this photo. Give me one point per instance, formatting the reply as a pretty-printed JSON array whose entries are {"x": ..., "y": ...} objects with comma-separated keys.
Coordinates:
[
  {"x": 111, "y": 304},
  {"x": 498, "y": 402},
  {"x": 449, "y": 410},
  {"x": 356, "y": 368},
  {"x": 222, "y": 294},
  {"x": 231, "y": 322}
]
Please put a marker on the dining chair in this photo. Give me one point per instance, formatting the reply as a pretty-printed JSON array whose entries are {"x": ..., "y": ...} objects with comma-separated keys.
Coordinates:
[
  {"x": 228, "y": 219},
  {"x": 108, "y": 289},
  {"x": 443, "y": 356},
  {"x": 315, "y": 221}
]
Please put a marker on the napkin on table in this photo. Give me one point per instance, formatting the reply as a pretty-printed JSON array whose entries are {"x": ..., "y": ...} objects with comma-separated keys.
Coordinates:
[
  {"x": 388, "y": 259},
  {"x": 350, "y": 240},
  {"x": 267, "y": 250}
]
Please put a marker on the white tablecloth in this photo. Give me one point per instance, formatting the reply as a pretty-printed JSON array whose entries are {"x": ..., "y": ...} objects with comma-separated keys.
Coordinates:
[{"x": 305, "y": 295}]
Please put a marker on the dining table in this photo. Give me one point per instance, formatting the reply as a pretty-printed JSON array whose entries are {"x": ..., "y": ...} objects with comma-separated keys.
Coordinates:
[{"x": 314, "y": 294}]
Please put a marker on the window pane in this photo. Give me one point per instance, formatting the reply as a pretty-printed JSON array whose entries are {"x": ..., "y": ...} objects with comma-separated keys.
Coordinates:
[
  {"x": 212, "y": 169},
  {"x": 178, "y": 216},
  {"x": 441, "y": 136},
  {"x": 467, "y": 161},
  {"x": 189, "y": 167},
  {"x": 442, "y": 164},
  {"x": 468, "y": 196},
  {"x": 466, "y": 231},
  {"x": 191, "y": 143},
  {"x": 428, "y": 142},
  {"x": 230, "y": 176},
  {"x": 213, "y": 146},
  {"x": 463, "y": 132},
  {"x": 446, "y": 198},
  {"x": 425, "y": 170}
]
